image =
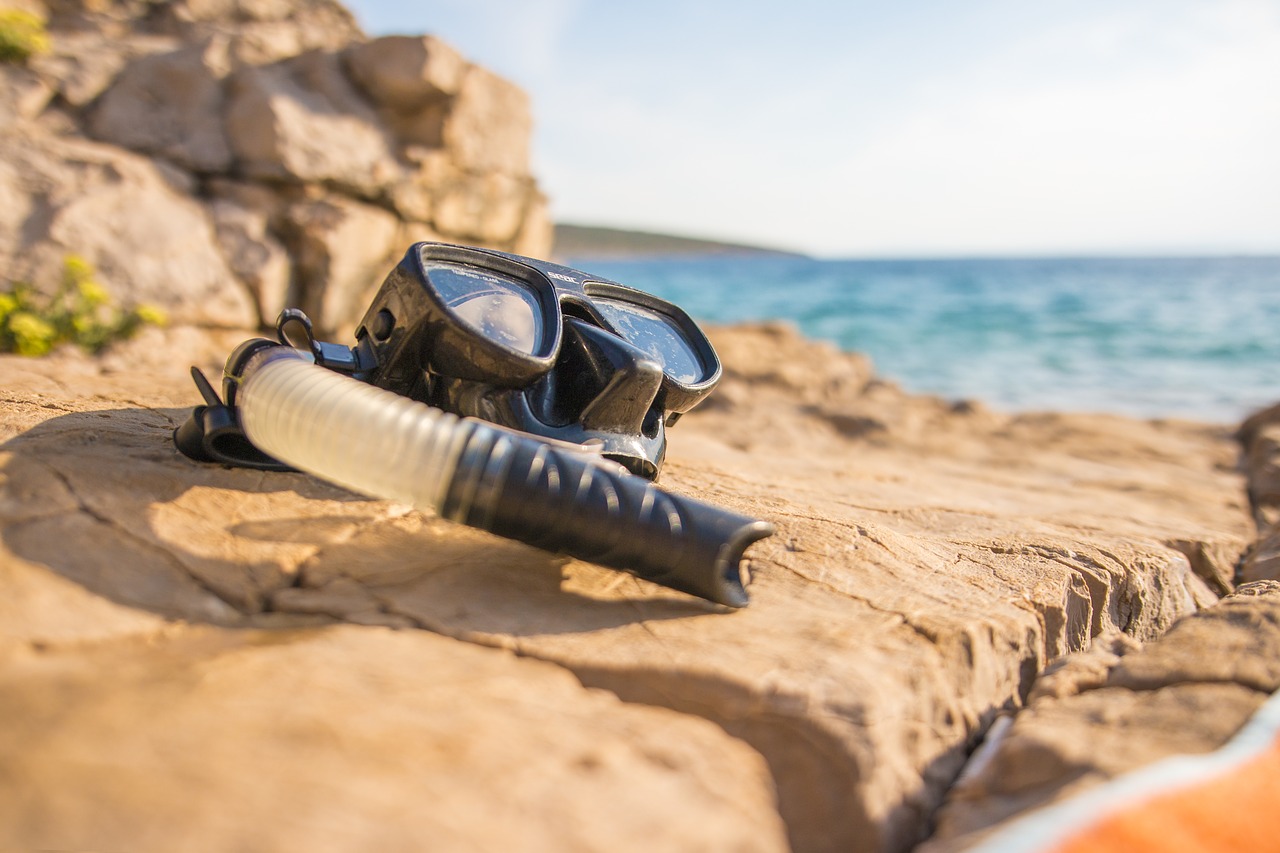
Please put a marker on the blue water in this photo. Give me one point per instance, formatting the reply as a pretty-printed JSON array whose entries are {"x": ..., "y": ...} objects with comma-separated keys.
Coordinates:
[{"x": 1196, "y": 338}]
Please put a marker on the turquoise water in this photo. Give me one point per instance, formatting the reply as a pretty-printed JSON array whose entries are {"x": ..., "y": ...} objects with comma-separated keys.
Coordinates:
[{"x": 1196, "y": 338}]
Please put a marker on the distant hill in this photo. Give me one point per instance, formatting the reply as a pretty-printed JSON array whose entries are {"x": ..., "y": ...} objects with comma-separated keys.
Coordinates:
[{"x": 587, "y": 241}]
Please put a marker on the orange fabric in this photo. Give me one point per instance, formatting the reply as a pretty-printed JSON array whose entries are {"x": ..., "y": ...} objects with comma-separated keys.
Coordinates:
[{"x": 1229, "y": 813}]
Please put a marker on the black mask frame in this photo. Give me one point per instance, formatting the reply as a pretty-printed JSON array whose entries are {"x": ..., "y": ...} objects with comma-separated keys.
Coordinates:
[
  {"x": 554, "y": 351},
  {"x": 536, "y": 346}
]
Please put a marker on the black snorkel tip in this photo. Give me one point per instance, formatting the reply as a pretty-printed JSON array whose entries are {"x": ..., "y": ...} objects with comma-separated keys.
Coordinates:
[
  {"x": 517, "y": 486},
  {"x": 731, "y": 563}
]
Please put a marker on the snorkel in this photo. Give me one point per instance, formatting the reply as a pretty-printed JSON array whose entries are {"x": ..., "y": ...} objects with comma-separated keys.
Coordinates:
[{"x": 442, "y": 329}]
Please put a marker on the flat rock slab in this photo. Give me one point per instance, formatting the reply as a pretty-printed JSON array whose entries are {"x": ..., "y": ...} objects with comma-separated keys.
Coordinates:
[
  {"x": 348, "y": 738},
  {"x": 931, "y": 559}
]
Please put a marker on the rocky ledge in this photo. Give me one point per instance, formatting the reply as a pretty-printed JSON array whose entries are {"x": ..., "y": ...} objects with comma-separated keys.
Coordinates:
[{"x": 963, "y": 615}]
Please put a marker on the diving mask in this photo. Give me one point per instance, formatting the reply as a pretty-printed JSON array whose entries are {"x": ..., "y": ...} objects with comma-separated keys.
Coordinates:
[{"x": 538, "y": 347}]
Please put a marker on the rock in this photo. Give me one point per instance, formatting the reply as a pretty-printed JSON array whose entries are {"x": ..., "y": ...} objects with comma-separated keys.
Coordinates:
[
  {"x": 777, "y": 357},
  {"x": 488, "y": 125},
  {"x": 1236, "y": 642},
  {"x": 302, "y": 121},
  {"x": 1187, "y": 692},
  {"x": 23, "y": 94},
  {"x": 81, "y": 65},
  {"x": 255, "y": 256},
  {"x": 115, "y": 18},
  {"x": 537, "y": 231},
  {"x": 353, "y": 738},
  {"x": 1262, "y": 462},
  {"x": 343, "y": 249},
  {"x": 1214, "y": 562},
  {"x": 148, "y": 241},
  {"x": 488, "y": 209},
  {"x": 416, "y": 232},
  {"x": 923, "y": 574},
  {"x": 1259, "y": 437},
  {"x": 287, "y": 101},
  {"x": 170, "y": 105},
  {"x": 1256, "y": 422},
  {"x": 413, "y": 81},
  {"x": 258, "y": 31},
  {"x": 414, "y": 195},
  {"x": 261, "y": 31},
  {"x": 406, "y": 74},
  {"x": 1085, "y": 670},
  {"x": 33, "y": 7},
  {"x": 1263, "y": 560}
]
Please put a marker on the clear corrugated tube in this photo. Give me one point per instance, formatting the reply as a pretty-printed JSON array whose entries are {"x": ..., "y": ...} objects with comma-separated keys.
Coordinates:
[{"x": 347, "y": 432}]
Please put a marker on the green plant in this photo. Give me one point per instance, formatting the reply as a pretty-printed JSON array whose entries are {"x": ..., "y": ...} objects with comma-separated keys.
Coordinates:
[
  {"x": 22, "y": 35},
  {"x": 79, "y": 312}
]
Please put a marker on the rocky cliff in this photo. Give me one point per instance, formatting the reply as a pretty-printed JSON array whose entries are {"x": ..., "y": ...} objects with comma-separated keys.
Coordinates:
[{"x": 225, "y": 158}]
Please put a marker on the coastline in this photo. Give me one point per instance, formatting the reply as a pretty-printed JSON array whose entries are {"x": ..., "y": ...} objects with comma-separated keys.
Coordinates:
[{"x": 1149, "y": 338}]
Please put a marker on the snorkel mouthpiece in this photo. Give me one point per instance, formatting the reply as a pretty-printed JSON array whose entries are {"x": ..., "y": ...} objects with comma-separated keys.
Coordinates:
[{"x": 514, "y": 485}]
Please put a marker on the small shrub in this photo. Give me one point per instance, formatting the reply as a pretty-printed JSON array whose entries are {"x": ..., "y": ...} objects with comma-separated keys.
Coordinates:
[
  {"x": 22, "y": 35},
  {"x": 80, "y": 312}
]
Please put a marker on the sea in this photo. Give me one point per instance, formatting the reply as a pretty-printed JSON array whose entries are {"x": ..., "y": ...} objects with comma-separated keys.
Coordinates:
[{"x": 1193, "y": 338}]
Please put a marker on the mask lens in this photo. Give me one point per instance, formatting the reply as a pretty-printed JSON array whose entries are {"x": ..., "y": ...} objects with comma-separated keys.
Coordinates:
[
  {"x": 656, "y": 334},
  {"x": 503, "y": 310}
]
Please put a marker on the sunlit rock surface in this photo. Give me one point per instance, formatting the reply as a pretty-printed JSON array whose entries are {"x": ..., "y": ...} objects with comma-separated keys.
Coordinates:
[{"x": 932, "y": 560}]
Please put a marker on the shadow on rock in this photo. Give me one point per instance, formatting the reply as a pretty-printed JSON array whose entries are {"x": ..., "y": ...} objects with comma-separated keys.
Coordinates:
[{"x": 103, "y": 499}]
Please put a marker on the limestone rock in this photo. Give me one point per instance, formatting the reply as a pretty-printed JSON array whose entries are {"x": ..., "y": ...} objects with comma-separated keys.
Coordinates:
[
  {"x": 1085, "y": 670},
  {"x": 254, "y": 255},
  {"x": 112, "y": 17},
  {"x": 489, "y": 208},
  {"x": 258, "y": 31},
  {"x": 776, "y": 357},
  {"x": 34, "y": 7},
  {"x": 302, "y": 121},
  {"x": 148, "y": 241},
  {"x": 261, "y": 31},
  {"x": 414, "y": 232},
  {"x": 80, "y": 66},
  {"x": 1256, "y": 422},
  {"x": 353, "y": 739},
  {"x": 23, "y": 94},
  {"x": 343, "y": 248},
  {"x": 406, "y": 73},
  {"x": 1259, "y": 437},
  {"x": 924, "y": 572},
  {"x": 537, "y": 231},
  {"x": 488, "y": 125},
  {"x": 413, "y": 81},
  {"x": 283, "y": 99},
  {"x": 1236, "y": 642},
  {"x": 1263, "y": 560},
  {"x": 170, "y": 105},
  {"x": 415, "y": 194},
  {"x": 1262, "y": 461},
  {"x": 1187, "y": 692}
]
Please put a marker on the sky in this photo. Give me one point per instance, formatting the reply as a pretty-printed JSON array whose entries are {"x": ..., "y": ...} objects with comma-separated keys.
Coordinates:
[{"x": 921, "y": 128}]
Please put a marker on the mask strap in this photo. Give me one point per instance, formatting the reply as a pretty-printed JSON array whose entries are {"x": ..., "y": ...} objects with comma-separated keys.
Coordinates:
[{"x": 212, "y": 433}]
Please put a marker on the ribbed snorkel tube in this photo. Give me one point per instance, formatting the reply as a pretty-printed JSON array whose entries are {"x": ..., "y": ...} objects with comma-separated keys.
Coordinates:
[{"x": 562, "y": 500}]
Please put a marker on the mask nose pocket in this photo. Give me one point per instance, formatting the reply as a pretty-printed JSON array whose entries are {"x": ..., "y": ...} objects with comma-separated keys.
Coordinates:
[{"x": 600, "y": 381}]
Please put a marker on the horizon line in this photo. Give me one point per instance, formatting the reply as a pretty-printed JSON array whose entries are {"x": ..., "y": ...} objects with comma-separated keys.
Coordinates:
[{"x": 751, "y": 245}]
